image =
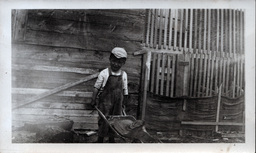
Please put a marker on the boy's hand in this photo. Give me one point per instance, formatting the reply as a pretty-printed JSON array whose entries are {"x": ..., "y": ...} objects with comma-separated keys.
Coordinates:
[{"x": 93, "y": 103}]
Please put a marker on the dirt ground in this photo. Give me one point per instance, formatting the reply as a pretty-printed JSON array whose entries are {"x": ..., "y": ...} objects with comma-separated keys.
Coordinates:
[{"x": 62, "y": 136}]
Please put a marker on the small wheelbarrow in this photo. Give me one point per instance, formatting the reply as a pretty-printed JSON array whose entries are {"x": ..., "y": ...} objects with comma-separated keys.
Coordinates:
[{"x": 127, "y": 127}]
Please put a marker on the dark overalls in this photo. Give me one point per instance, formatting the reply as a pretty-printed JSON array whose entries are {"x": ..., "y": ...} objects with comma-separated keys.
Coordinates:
[{"x": 110, "y": 102}]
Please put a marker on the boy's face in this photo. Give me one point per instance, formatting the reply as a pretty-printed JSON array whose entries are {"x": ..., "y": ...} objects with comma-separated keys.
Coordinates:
[{"x": 116, "y": 63}]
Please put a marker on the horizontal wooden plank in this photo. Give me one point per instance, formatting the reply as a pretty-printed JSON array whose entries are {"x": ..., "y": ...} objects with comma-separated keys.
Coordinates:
[
  {"x": 131, "y": 32},
  {"x": 33, "y": 118},
  {"x": 67, "y": 57},
  {"x": 54, "y": 69},
  {"x": 53, "y": 98},
  {"x": 88, "y": 42},
  {"x": 211, "y": 123},
  {"x": 57, "y": 105},
  {"x": 108, "y": 16},
  {"x": 40, "y": 91},
  {"x": 57, "y": 112}
]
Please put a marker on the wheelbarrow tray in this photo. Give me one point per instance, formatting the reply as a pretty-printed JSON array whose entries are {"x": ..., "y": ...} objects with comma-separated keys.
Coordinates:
[{"x": 128, "y": 127}]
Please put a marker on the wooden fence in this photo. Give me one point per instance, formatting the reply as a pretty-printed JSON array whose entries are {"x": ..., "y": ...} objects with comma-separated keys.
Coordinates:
[{"x": 212, "y": 43}]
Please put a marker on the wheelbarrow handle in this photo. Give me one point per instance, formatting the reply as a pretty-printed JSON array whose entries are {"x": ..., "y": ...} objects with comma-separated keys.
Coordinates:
[{"x": 106, "y": 120}]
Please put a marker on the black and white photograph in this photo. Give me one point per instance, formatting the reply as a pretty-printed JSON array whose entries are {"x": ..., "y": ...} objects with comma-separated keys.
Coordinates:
[{"x": 155, "y": 76}]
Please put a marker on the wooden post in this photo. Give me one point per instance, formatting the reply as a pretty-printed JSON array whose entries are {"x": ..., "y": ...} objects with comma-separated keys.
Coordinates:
[
  {"x": 182, "y": 76},
  {"x": 146, "y": 79}
]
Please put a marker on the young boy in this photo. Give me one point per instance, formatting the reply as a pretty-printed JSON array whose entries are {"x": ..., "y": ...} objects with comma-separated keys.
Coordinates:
[{"x": 111, "y": 86}]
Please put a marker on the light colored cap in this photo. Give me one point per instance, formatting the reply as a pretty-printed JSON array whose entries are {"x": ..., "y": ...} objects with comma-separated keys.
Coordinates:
[{"x": 119, "y": 52}]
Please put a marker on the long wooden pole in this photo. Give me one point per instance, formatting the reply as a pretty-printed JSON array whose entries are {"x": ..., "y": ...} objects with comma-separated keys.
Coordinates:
[{"x": 55, "y": 90}]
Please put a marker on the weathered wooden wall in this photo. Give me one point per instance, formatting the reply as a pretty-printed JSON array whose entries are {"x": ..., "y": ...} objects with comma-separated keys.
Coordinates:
[{"x": 54, "y": 47}]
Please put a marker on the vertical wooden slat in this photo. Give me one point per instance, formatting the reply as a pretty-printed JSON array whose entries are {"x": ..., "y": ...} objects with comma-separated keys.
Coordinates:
[
  {"x": 226, "y": 43},
  {"x": 227, "y": 79},
  {"x": 160, "y": 28},
  {"x": 213, "y": 29},
  {"x": 168, "y": 75},
  {"x": 186, "y": 30},
  {"x": 195, "y": 35},
  {"x": 230, "y": 31},
  {"x": 156, "y": 28},
  {"x": 152, "y": 28},
  {"x": 238, "y": 76},
  {"x": 212, "y": 71},
  {"x": 209, "y": 50},
  {"x": 216, "y": 72},
  {"x": 162, "y": 74},
  {"x": 170, "y": 28},
  {"x": 224, "y": 74},
  {"x": 209, "y": 31},
  {"x": 148, "y": 28},
  {"x": 165, "y": 27},
  {"x": 234, "y": 51},
  {"x": 190, "y": 29},
  {"x": 241, "y": 50},
  {"x": 173, "y": 74},
  {"x": 205, "y": 55},
  {"x": 175, "y": 29},
  {"x": 196, "y": 73},
  {"x": 217, "y": 35},
  {"x": 153, "y": 72},
  {"x": 191, "y": 53},
  {"x": 204, "y": 74},
  {"x": 200, "y": 30},
  {"x": 205, "y": 29},
  {"x": 234, "y": 31},
  {"x": 208, "y": 74},
  {"x": 234, "y": 80},
  {"x": 180, "y": 32},
  {"x": 221, "y": 32},
  {"x": 242, "y": 75},
  {"x": 200, "y": 72},
  {"x": 238, "y": 36},
  {"x": 201, "y": 55},
  {"x": 220, "y": 70},
  {"x": 241, "y": 32},
  {"x": 191, "y": 74},
  {"x": 157, "y": 73}
]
